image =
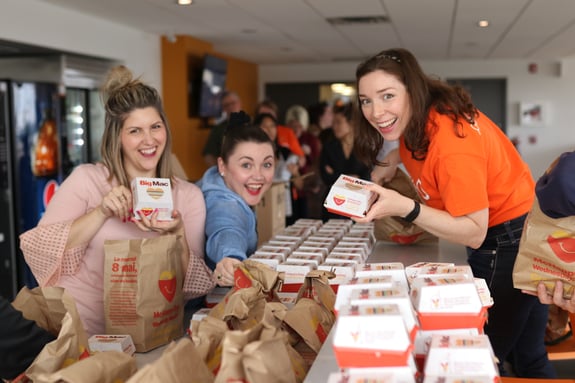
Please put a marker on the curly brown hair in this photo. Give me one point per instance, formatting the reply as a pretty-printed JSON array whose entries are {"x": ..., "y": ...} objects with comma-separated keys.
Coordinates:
[{"x": 424, "y": 92}]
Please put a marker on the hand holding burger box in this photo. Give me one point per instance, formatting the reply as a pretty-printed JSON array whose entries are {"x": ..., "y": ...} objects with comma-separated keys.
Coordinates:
[
  {"x": 349, "y": 198},
  {"x": 152, "y": 194}
]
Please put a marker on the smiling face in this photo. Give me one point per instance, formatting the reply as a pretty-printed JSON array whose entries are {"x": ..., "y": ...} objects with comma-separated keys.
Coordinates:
[
  {"x": 143, "y": 139},
  {"x": 384, "y": 103},
  {"x": 249, "y": 170}
]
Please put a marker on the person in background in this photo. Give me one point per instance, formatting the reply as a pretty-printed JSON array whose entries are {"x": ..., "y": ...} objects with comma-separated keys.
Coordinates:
[
  {"x": 231, "y": 103},
  {"x": 286, "y": 168},
  {"x": 476, "y": 188},
  {"x": 232, "y": 188},
  {"x": 94, "y": 204},
  {"x": 337, "y": 155},
  {"x": 21, "y": 340},
  {"x": 321, "y": 121},
  {"x": 286, "y": 136},
  {"x": 298, "y": 120}
]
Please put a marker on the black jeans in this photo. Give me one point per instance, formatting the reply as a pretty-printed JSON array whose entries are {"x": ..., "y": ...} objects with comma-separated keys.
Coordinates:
[{"x": 516, "y": 322}]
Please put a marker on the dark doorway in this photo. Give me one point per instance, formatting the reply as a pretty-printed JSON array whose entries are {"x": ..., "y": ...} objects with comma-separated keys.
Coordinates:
[
  {"x": 490, "y": 97},
  {"x": 286, "y": 95}
]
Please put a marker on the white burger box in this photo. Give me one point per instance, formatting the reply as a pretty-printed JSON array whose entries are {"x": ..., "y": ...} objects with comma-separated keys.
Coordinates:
[
  {"x": 151, "y": 194},
  {"x": 335, "y": 233},
  {"x": 295, "y": 272},
  {"x": 395, "y": 269},
  {"x": 317, "y": 223},
  {"x": 324, "y": 247},
  {"x": 353, "y": 254},
  {"x": 327, "y": 240},
  {"x": 371, "y": 336},
  {"x": 283, "y": 252},
  {"x": 122, "y": 343},
  {"x": 291, "y": 245},
  {"x": 413, "y": 270},
  {"x": 362, "y": 248},
  {"x": 447, "y": 302},
  {"x": 443, "y": 271},
  {"x": 306, "y": 250},
  {"x": 363, "y": 235},
  {"x": 404, "y": 374},
  {"x": 316, "y": 258},
  {"x": 349, "y": 198},
  {"x": 271, "y": 260},
  {"x": 344, "y": 258},
  {"x": 423, "y": 341},
  {"x": 460, "y": 356},
  {"x": 344, "y": 291},
  {"x": 299, "y": 232},
  {"x": 396, "y": 294},
  {"x": 344, "y": 271}
]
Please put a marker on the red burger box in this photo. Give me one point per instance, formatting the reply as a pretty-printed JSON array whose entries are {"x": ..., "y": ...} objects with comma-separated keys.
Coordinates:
[
  {"x": 460, "y": 358},
  {"x": 448, "y": 303},
  {"x": 371, "y": 336}
]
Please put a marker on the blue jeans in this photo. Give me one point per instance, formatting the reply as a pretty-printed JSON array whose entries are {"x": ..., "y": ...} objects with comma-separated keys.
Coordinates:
[{"x": 516, "y": 322}]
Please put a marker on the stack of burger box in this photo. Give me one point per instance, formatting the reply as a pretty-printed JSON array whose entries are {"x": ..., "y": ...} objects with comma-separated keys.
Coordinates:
[
  {"x": 375, "y": 327},
  {"x": 432, "y": 299},
  {"x": 448, "y": 301},
  {"x": 460, "y": 358},
  {"x": 338, "y": 245}
]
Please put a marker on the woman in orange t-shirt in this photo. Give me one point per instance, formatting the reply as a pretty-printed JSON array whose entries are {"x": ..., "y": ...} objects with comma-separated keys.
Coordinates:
[{"x": 475, "y": 187}]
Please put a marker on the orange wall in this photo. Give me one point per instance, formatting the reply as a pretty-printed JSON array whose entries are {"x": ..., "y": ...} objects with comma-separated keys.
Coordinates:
[{"x": 190, "y": 134}]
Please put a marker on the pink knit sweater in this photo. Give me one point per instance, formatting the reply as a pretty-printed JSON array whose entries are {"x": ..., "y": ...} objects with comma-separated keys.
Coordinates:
[{"x": 80, "y": 270}]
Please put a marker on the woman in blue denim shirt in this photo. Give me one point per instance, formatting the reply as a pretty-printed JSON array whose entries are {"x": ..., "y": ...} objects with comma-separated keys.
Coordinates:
[{"x": 244, "y": 172}]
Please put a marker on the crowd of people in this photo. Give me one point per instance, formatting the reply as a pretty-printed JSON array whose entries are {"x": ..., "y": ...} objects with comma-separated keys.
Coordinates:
[{"x": 476, "y": 190}]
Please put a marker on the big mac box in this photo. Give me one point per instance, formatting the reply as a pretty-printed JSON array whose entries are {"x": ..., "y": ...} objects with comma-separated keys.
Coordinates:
[
  {"x": 349, "y": 198},
  {"x": 122, "y": 343},
  {"x": 150, "y": 194}
]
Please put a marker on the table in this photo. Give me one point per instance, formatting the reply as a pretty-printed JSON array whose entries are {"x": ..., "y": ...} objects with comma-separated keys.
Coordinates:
[
  {"x": 325, "y": 363},
  {"x": 441, "y": 251}
]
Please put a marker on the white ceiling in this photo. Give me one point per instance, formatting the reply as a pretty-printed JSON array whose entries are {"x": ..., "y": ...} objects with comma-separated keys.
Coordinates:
[{"x": 293, "y": 31}]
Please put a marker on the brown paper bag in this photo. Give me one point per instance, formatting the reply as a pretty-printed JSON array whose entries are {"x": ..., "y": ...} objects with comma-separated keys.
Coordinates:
[
  {"x": 54, "y": 310},
  {"x": 257, "y": 355},
  {"x": 143, "y": 297},
  {"x": 102, "y": 367},
  {"x": 207, "y": 336},
  {"x": 546, "y": 253},
  {"x": 252, "y": 273},
  {"x": 396, "y": 229},
  {"x": 179, "y": 363}
]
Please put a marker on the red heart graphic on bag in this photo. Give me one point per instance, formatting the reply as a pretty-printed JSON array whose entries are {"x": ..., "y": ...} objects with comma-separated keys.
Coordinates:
[{"x": 167, "y": 285}]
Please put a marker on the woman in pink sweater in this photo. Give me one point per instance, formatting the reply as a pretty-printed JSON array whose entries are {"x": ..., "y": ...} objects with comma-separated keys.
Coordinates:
[{"x": 94, "y": 204}]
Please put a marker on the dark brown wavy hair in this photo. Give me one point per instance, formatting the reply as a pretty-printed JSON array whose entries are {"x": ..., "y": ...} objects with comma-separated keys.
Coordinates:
[{"x": 424, "y": 93}]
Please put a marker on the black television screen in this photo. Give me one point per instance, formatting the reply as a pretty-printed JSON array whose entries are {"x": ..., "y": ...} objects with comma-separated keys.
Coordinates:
[{"x": 213, "y": 84}]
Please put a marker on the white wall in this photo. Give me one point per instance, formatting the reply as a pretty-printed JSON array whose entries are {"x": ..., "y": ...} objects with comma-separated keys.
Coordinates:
[
  {"x": 39, "y": 23},
  {"x": 553, "y": 85}
]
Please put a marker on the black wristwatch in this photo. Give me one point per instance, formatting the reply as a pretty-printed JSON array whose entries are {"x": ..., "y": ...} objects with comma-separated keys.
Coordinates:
[{"x": 414, "y": 213}]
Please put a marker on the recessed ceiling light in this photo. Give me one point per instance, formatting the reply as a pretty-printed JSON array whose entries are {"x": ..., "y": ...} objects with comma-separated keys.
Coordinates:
[
  {"x": 483, "y": 23},
  {"x": 185, "y": 2}
]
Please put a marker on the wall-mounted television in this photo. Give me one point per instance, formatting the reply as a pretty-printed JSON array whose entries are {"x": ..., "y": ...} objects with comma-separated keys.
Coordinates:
[{"x": 213, "y": 84}]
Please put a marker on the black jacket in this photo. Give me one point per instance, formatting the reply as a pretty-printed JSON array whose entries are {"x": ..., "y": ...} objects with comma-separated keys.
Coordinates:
[{"x": 20, "y": 341}]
